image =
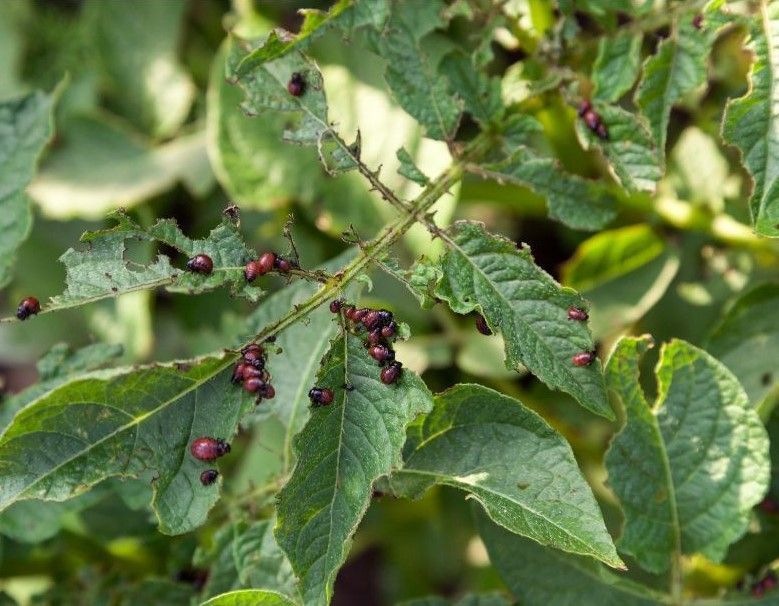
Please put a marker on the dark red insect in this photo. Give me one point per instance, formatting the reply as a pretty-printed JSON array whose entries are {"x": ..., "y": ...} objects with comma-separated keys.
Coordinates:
[
  {"x": 358, "y": 315},
  {"x": 254, "y": 356},
  {"x": 320, "y": 396},
  {"x": 283, "y": 265},
  {"x": 584, "y": 107},
  {"x": 370, "y": 319},
  {"x": 584, "y": 358},
  {"x": 252, "y": 372},
  {"x": 389, "y": 330},
  {"x": 697, "y": 21},
  {"x": 254, "y": 385},
  {"x": 209, "y": 449},
  {"x": 374, "y": 337},
  {"x": 266, "y": 262},
  {"x": 391, "y": 373},
  {"x": 267, "y": 391},
  {"x": 578, "y": 314},
  {"x": 385, "y": 317},
  {"x": 252, "y": 271},
  {"x": 29, "y": 306},
  {"x": 208, "y": 477},
  {"x": 481, "y": 325},
  {"x": 239, "y": 372},
  {"x": 769, "y": 505},
  {"x": 601, "y": 131},
  {"x": 591, "y": 119},
  {"x": 349, "y": 312},
  {"x": 201, "y": 264},
  {"x": 335, "y": 306},
  {"x": 381, "y": 353},
  {"x": 296, "y": 85}
]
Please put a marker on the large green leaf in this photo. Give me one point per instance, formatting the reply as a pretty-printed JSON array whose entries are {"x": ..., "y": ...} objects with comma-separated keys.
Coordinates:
[
  {"x": 250, "y": 597},
  {"x": 622, "y": 273},
  {"x": 576, "y": 202},
  {"x": 25, "y": 127},
  {"x": 343, "y": 449},
  {"x": 629, "y": 149},
  {"x": 746, "y": 340},
  {"x": 520, "y": 470},
  {"x": 99, "y": 166},
  {"x": 411, "y": 70},
  {"x": 751, "y": 121},
  {"x": 137, "y": 44},
  {"x": 124, "y": 422},
  {"x": 541, "y": 576},
  {"x": 490, "y": 274},
  {"x": 677, "y": 68},
  {"x": 688, "y": 469},
  {"x": 616, "y": 67}
]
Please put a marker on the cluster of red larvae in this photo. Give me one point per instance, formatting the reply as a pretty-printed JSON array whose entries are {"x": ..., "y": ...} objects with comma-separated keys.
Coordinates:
[
  {"x": 593, "y": 120},
  {"x": 202, "y": 264},
  {"x": 250, "y": 372},
  {"x": 209, "y": 450}
]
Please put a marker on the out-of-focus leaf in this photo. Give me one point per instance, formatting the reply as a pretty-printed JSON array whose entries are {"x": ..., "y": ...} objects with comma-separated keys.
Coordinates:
[
  {"x": 250, "y": 597},
  {"x": 489, "y": 274},
  {"x": 157, "y": 591},
  {"x": 689, "y": 469},
  {"x": 411, "y": 72},
  {"x": 409, "y": 170},
  {"x": 472, "y": 599},
  {"x": 746, "y": 340},
  {"x": 629, "y": 149},
  {"x": 343, "y": 449},
  {"x": 702, "y": 172},
  {"x": 572, "y": 200},
  {"x": 100, "y": 167},
  {"x": 483, "y": 356},
  {"x": 474, "y": 439},
  {"x": 622, "y": 273},
  {"x": 25, "y": 127},
  {"x": 751, "y": 122},
  {"x": 541, "y": 576},
  {"x": 677, "y": 68},
  {"x": 124, "y": 422},
  {"x": 480, "y": 93},
  {"x": 616, "y": 67},
  {"x": 137, "y": 44}
]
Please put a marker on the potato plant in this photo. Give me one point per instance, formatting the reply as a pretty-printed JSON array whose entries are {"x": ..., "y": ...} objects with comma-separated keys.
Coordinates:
[{"x": 389, "y": 301}]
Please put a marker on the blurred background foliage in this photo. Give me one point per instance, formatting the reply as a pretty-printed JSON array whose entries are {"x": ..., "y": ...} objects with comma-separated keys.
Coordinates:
[{"x": 146, "y": 121}]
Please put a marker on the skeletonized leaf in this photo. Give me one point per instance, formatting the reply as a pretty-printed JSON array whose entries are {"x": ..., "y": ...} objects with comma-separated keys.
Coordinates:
[
  {"x": 629, "y": 149},
  {"x": 250, "y": 597},
  {"x": 572, "y": 200},
  {"x": 520, "y": 470},
  {"x": 751, "y": 121},
  {"x": 411, "y": 71},
  {"x": 124, "y": 422},
  {"x": 616, "y": 67},
  {"x": 746, "y": 340},
  {"x": 541, "y": 576},
  {"x": 689, "y": 469},
  {"x": 487, "y": 273},
  {"x": 343, "y": 449},
  {"x": 25, "y": 127},
  {"x": 306, "y": 119}
]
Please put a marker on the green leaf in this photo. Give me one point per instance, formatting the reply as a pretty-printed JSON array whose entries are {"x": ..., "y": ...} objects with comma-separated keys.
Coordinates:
[
  {"x": 572, "y": 200},
  {"x": 480, "y": 93},
  {"x": 409, "y": 170},
  {"x": 100, "y": 166},
  {"x": 471, "y": 599},
  {"x": 343, "y": 449},
  {"x": 676, "y": 69},
  {"x": 26, "y": 126},
  {"x": 137, "y": 44},
  {"x": 520, "y": 470},
  {"x": 247, "y": 556},
  {"x": 629, "y": 149},
  {"x": 489, "y": 274},
  {"x": 688, "y": 469},
  {"x": 751, "y": 122},
  {"x": 541, "y": 576},
  {"x": 746, "y": 340},
  {"x": 616, "y": 67},
  {"x": 306, "y": 116},
  {"x": 622, "y": 273},
  {"x": 250, "y": 597},
  {"x": 411, "y": 70},
  {"x": 56, "y": 367},
  {"x": 124, "y": 422}
]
